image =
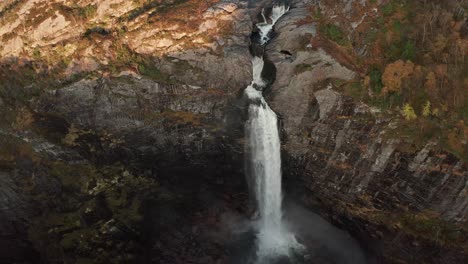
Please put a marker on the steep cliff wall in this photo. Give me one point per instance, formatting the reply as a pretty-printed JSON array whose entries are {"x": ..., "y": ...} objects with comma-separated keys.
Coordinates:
[
  {"x": 117, "y": 115},
  {"x": 352, "y": 159},
  {"x": 108, "y": 141}
]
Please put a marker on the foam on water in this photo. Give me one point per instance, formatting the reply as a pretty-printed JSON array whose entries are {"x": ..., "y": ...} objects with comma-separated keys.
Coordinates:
[{"x": 264, "y": 159}]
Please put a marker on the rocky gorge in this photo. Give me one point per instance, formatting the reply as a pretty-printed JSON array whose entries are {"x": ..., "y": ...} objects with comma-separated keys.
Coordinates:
[{"x": 122, "y": 134}]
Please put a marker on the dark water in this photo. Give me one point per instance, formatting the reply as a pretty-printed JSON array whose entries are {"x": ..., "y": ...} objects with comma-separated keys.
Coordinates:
[{"x": 323, "y": 243}]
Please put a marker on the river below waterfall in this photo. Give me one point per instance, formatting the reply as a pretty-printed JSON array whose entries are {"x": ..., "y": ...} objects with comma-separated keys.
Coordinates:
[{"x": 322, "y": 242}]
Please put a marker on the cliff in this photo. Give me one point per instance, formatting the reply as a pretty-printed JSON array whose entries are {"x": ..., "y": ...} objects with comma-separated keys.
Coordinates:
[{"x": 122, "y": 125}]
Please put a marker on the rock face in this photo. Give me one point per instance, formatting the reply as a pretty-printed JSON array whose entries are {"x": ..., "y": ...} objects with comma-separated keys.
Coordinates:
[
  {"x": 129, "y": 164},
  {"x": 141, "y": 115},
  {"x": 350, "y": 166},
  {"x": 88, "y": 153},
  {"x": 15, "y": 210},
  {"x": 84, "y": 33}
]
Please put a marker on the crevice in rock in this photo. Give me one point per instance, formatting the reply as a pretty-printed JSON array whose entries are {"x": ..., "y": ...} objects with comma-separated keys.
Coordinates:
[{"x": 287, "y": 52}]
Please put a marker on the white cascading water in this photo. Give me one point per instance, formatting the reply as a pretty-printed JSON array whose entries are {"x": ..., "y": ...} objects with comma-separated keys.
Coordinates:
[
  {"x": 265, "y": 27},
  {"x": 264, "y": 157}
]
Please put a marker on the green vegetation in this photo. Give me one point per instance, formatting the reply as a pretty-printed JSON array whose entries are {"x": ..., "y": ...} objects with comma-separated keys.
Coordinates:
[
  {"x": 303, "y": 67},
  {"x": 87, "y": 11},
  {"x": 334, "y": 33},
  {"x": 386, "y": 102},
  {"x": 356, "y": 90},
  {"x": 100, "y": 201},
  {"x": 150, "y": 71},
  {"x": 318, "y": 14},
  {"x": 408, "y": 51},
  {"x": 389, "y": 9},
  {"x": 376, "y": 79},
  {"x": 401, "y": 50},
  {"x": 408, "y": 112},
  {"x": 36, "y": 53},
  {"x": 84, "y": 12},
  {"x": 416, "y": 74},
  {"x": 427, "y": 109},
  {"x": 125, "y": 57}
]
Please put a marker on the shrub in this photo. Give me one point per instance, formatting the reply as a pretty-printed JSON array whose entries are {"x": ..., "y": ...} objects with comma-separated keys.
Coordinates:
[
  {"x": 152, "y": 72},
  {"x": 36, "y": 53},
  {"x": 87, "y": 11},
  {"x": 401, "y": 50},
  {"x": 76, "y": 10},
  {"x": 427, "y": 109},
  {"x": 376, "y": 79},
  {"x": 408, "y": 112},
  {"x": 408, "y": 52}
]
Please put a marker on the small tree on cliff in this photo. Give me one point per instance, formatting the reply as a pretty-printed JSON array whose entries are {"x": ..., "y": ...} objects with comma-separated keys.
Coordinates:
[
  {"x": 408, "y": 112},
  {"x": 427, "y": 109}
]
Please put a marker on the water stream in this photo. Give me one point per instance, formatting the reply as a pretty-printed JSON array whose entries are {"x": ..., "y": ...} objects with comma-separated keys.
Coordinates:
[{"x": 264, "y": 157}]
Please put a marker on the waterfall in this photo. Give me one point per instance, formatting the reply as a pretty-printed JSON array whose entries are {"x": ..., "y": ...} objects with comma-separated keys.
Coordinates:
[
  {"x": 264, "y": 157},
  {"x": 264, "y": 27}
]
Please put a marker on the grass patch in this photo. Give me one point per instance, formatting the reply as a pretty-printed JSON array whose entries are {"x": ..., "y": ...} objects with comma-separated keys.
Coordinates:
[{"x": 303, "y": 67}]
